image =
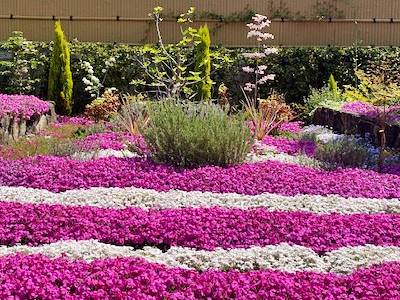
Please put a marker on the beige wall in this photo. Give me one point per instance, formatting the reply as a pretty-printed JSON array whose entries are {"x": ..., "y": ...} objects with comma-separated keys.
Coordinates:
[{"x": 96, "y": 20}]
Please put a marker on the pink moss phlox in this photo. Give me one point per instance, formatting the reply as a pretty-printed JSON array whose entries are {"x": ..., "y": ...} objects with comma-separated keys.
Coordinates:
[
  {"x": 291, "y": 127},
  {"x": 290, "y": 146},
  {"x": 370, "y": 111},
  {"x": 22, "y": 106},
  {"x": 60, "y": 174},
  {"x": 200, "y": 228},
  {"x": 39, "y": 277}
]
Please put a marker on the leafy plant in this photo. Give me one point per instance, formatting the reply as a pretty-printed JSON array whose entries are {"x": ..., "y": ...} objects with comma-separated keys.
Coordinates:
[
  {"x": 191, "y": 135},
  {"x": 324, "y": 97},
  {"x": 60, "y": 77},
  {"x": 268, "y": 114},
  {"x": 342, "y": 152},
  {"x": 105, "y": 107},
  {"x": 20, "y": 72},
  {"x": 133, "y": 115},
  {"x": 203, "y": 64},
  {"x": 223, "y": 96},
  {"x": 169, "y": 75}
]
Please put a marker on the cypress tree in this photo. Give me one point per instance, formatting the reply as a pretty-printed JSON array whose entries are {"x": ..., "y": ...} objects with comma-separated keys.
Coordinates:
[
  {"x": 333, "y": 85},
  {"x": 60, "y": 76},
  {"x": 203, "y": 63}
]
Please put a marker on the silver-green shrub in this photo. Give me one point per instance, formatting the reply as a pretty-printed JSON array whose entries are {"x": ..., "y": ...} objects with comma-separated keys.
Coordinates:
[
  {"x": 190, "y": 135},
  {"x": 342, "y": 152}
]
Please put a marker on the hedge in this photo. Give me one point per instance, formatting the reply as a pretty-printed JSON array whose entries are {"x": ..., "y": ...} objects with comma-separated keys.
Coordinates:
[{"x": 296, "y": 69}]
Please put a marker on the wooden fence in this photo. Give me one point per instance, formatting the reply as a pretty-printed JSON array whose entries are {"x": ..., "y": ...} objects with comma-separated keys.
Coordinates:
[{"x": 296, "y": 22}]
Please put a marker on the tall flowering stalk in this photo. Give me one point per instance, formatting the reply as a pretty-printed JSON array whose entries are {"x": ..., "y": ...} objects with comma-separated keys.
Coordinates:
[
  {"x": 265, "y": 115},
  {"x": 259, "y": 71}
]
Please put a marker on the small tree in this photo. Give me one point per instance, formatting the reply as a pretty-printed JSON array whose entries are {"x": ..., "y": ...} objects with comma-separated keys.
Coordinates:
[
  {"x": 60, "y": 76},
  {"x": 203, "y": 63}
]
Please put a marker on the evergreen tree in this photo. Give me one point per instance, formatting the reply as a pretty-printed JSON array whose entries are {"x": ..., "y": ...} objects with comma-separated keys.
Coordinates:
[
  {"x": 203, "y": 63},
  {"x": 333, "y": 85},
  {"x": 60, "y": 76}
]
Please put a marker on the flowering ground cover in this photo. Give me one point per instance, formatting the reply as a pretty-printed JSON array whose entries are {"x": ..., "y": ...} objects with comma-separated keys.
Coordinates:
[
  {"x": 130, "y": 228},
  {"x": 22, "y": 106},
  {"x": 368, "y": 110}
]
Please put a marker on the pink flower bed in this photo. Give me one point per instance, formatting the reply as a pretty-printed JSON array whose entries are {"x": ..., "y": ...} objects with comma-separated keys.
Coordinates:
[
  {"x": 200, "y": 228},
  {"x": 60, "y": 174},
  {"x": 290, "y": 146},
  {"x": 368, "y": 110},
  {"x": 291, "y": 127},
  {"x": 38, "y": 277},
  {"x": 112, "y": 140},
  {"x": 22, "y": 106},
  {"x": 75, "y": 120}
]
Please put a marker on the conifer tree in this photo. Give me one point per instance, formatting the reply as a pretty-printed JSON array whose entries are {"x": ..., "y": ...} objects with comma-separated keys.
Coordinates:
[
  {"x": 203, "y": 63},
  {"x": 60, "y": 76}
]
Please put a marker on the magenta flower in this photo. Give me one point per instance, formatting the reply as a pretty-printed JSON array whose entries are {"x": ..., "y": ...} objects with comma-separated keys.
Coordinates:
[{"x": 22, "y": 106}]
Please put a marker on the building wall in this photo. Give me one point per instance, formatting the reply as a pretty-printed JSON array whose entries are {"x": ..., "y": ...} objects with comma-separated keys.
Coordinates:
[{"x": 305, "y": 22}]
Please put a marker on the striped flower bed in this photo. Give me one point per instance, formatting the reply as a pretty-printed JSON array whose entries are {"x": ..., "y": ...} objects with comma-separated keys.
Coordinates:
[{"x": 126, "y": 228}]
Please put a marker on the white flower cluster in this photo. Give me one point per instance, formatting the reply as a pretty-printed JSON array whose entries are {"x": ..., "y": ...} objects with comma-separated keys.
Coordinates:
[
  {"x": 147, "y": 199},
  {"x": 91, "y": 81},
  {"x": 270, "y": 153},
  {"x": 104, "y": 153},
  {"x": 283, "y": 257}
]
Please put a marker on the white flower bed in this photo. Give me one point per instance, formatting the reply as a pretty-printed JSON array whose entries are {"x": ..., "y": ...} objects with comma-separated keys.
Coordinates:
[
  {"x": 147, "y": 199},
  {"x": 281, "y": 257}
]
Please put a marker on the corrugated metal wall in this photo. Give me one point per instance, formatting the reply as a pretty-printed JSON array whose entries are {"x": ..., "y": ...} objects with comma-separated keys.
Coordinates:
[{"x": 369, "y": 22}]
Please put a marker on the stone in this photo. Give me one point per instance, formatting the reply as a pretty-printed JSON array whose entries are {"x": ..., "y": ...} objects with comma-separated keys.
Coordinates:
[
  {"x": 347, "y": 123},
  {"x": 15, "y": 130}
]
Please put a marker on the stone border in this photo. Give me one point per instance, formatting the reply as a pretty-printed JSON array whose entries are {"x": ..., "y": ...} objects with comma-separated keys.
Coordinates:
[{"x": 12, "y": 129}]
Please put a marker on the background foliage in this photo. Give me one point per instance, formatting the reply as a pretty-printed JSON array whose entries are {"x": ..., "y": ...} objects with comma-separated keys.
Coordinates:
[{"x": 297, "y": 69}]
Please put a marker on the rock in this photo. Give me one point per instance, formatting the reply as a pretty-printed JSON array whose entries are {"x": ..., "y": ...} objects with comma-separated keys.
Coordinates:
[
  {"x": 15, "y": 130},
  {"x": 347, "y": 123},
  {"x": 22, "y": 128},
  {"x": 42, "y": 124},
  {"x": 11, "y": 129}
]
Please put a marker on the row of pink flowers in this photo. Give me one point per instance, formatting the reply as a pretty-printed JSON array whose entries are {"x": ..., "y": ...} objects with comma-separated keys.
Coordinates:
[
  {"x": 22, "y": 106},
  {"x": 60, "y": 174},
  {"x": 368, "y": 110},
  {"x": 291, "y": 127},
  {"x": 290, "y": 146},
  {"x": 112, "y": 140},
  {"x": 83, "y": 121},
  {"x": 38, "y": 277},
  {"x": 200, "y": 228}
]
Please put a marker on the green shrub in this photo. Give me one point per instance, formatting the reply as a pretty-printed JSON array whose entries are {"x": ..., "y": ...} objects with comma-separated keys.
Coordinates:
[
  {"x": 105, "y": 107},
  {"x": 203, "y": 64},
  {"x": 60, "y": 77},
  {"x": 132, "y": 116},
  {"x": 191, "y": 135},
  {"x": 342, "y": 152},
  {"x": 324, "y": 97},
  {"x": 332, "y": 84}
]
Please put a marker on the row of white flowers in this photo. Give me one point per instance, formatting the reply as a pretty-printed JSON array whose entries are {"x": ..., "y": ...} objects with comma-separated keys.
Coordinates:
[
  {"x": 147, "y": 199},
  {"x": 281, "y": 257}
]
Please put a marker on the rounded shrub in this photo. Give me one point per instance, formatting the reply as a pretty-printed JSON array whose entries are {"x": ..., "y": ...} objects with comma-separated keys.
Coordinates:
[{"x": 190, "y": 135}]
